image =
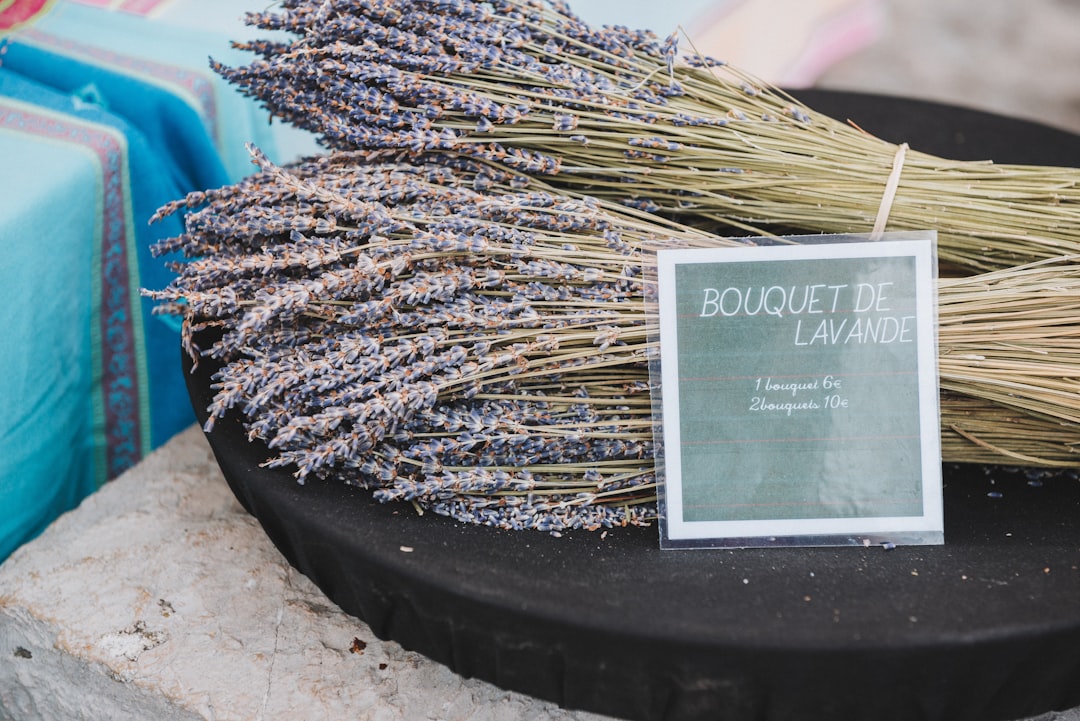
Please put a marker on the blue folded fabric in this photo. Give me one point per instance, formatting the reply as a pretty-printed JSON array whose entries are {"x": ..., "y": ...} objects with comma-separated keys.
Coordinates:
[
  {"x": 90, "y": 380},
  {"x": 155, "y": 75},
  {"x": 164, "y": 119},
  {"x": 104, "y": 118}
]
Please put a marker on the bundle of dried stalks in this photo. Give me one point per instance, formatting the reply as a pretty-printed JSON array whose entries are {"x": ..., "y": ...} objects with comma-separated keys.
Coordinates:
[
  {"x": 615, "y": 113},
  {"x": 448, "y": 307},
  {"x": 431, "y": 332}
]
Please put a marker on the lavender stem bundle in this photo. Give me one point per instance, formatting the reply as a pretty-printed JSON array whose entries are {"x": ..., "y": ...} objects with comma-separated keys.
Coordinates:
[
  {"x": 439, "y": 334},
  {"x": 448, "y": 307},
  {"x": 432, "y": 333},
  {"x": 613, "y": 113}
]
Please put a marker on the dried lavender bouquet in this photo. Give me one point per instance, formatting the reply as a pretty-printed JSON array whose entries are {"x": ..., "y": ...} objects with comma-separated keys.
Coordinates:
[
  {"x": 430, "y": 332},
  {"x": 439, "y": 334},
  {"x": 615, "y": 113}
]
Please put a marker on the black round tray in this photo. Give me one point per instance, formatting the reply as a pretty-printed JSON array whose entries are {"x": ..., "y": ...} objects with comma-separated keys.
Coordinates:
[{"x": 984, "y": 627}]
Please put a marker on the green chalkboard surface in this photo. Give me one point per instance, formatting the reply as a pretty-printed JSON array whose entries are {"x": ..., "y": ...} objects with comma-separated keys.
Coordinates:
[{"x": 799, "y": 393}]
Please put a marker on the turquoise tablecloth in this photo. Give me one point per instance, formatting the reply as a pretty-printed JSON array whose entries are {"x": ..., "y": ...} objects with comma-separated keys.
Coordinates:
[{"x": 104, "y": 117}]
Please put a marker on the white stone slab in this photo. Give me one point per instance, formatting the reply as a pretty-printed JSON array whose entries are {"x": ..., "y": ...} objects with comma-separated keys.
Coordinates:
[{"x": 161, "y": 598}]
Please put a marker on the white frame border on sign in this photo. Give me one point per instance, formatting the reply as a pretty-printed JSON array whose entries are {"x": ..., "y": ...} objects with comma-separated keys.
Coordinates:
[{"x": 927, "y": 528}]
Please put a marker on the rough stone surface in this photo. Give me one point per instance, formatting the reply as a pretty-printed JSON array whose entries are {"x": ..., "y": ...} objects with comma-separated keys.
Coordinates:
[{"x": 161, "y": 598}]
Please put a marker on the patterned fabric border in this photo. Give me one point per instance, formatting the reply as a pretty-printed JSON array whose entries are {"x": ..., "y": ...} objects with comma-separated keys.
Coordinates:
[
  {"x": 133, "y": 7},
  {"x": 197, "y": 89},
  {"x": 122, "y": 398}
]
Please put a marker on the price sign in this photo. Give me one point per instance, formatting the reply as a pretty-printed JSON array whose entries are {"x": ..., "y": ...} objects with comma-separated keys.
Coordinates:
[{"x": 799, "y": 394}]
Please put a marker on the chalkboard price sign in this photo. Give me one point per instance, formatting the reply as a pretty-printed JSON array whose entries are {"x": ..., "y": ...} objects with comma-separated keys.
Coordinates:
[{"x": 798, "y": 392}]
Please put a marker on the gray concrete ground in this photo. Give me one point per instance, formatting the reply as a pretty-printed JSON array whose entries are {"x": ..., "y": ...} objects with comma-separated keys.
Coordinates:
[{"x": 1011, "y": 57}]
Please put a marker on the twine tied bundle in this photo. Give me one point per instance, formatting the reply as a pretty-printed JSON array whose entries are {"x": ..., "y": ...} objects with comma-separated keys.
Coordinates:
[
  {"x": 446, "y": 308},
  {"x": 612, "y": 113}
]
